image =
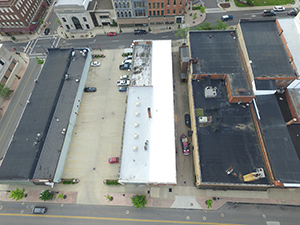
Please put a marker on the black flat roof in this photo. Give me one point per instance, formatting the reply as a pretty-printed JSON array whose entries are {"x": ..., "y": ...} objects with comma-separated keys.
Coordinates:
[
  {"x": 266, "y": 49},
  {"x": 218, "y": 52},
  {"x": 36, "y": 140},
  {"x": 231, "y": 139},
  {"x": 262, "y": 85},
  {"x": 284, "y": 159}
]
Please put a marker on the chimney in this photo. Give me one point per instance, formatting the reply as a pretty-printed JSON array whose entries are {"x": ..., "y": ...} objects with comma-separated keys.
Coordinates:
[{"x": 149, "y": 112}]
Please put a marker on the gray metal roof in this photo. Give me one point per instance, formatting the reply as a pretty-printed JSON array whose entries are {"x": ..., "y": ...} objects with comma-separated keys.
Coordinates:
[
  {"x": 266, "y": 49},
  {"x": 37, "y": 141},
  {"x": 284, "y": 158}
]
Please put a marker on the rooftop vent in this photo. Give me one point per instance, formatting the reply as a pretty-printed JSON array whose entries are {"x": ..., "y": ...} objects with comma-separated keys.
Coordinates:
[
  {"x": 136, "y": 136},
  {"x": 241, "y": 90},
  {"x": 136, "y": 124},
  {"x": 210, "y": 92},
  {"x": 137, "y": 114},
  {"x": 77, "y": 80},
  {"x": 135, "y": 148},
  {"x": 137, "y": 103}
]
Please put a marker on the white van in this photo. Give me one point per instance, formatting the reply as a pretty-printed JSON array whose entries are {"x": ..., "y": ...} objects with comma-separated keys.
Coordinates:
[
  {"x": 278, "y": 8},
  {"x": 127, "y": 61}
]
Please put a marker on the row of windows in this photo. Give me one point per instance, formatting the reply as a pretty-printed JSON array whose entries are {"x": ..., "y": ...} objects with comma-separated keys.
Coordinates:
[
  {"x": 12, "y": 17},
  {"x": 12, "y": 24},
  {"x": 64, "y": 19},
  {"x": 87, "y": 26},
  {"x": 161, "y": 13},
  {"x": 125, "y": 14},
  {"x": 125, "y": 5}
]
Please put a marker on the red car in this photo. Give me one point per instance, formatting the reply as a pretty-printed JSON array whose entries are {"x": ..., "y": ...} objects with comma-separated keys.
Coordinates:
[
  {"x": 111, "y": 34},
  {"x": 114, "y": 160},
  {"x": 185, "y": 145}
]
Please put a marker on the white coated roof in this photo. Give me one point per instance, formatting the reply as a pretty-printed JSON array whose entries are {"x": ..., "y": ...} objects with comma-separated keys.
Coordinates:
[
  {"x": 85, "y": 3},
  {"x": 291, "y": 33},
  {"x": 157, "y": 163}
]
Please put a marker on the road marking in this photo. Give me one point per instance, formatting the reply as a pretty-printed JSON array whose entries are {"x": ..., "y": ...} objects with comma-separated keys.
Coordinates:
[
  {"x": 17, "y": 104},
  {"x": 115, "y": 41},
  {"x": 116, "y": 219},
  {"x": 164, "y": 36}
]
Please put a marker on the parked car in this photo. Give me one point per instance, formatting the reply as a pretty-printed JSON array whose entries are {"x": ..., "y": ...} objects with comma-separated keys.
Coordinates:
[
  {"x": 187, "y": 120},
  {"x": 140, "y": 31},
  {"x": 124, "y": 77},
  {"x": 95, "y": 63},
  {"x": 268, "y": 13},
  {"x": 111, "y": 34},
  {"x": 293, "y": 12},
  {"x": 39, "y": 210},
  {"x": 123, "y": 82},
  {"x": 128, "y": 57},
  {"x": 185, "y": 145},
  {"x": 47, "y": 31},
  {"x": 126, "y": 61},
  {"x": 122, "y": 89},
  {"x": 278, "y": 8},
  {"x": 227, "y": 17},
  {"x": 90, "y": 89},
  {"x": 114, "y": 160},
  {"x": 125, "y": 67}
]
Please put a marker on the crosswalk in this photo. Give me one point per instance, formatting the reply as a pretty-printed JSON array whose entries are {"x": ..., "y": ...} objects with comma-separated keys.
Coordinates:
[{"x": 39, "y": 46}]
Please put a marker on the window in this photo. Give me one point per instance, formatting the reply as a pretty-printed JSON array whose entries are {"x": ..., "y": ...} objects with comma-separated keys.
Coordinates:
[
  {"x": 149, "y": 13},
  {"x": 128, "y": 5},
  {"x": 129, "y": 14},
  {"x": 154, "y": 13},
  {"x": 162, "y": 5},
  {"x": 157, "y": 12},
  {"x": 116, "y": 5},
  {"x": 118, "y": 14},
  {"x": 180, "y": 2},
  {"x": 158, "y": 5},
  {"x": 87, "y": 26},
  {"x": 124, "y": 4},
  {"x": 103, "y": 17},
  {"x": 162, "y": 12},
  {"x": 84, "y": 19},
  {"x": 179, "y": 11},
  {"x": 168, "y": 3},
  {"x": 120, "y": 5},
  {"x": 122, "y": 14},
  {"x": 2, "y": 62},
  {"x": 64, "y": 20},
  {"x": 168, "y": 11},
  {"x": 174, "y": 2},
  {"x": 174, "y": 11},
  {"x": 125, "y": 14},
  {"x": 68, "y": 27},
  {"x": 153, "y": 5},
  {"x": 149, "y": 5}
]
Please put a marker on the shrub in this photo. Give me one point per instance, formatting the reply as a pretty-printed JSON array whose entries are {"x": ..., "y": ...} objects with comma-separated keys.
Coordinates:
[
  {"x": 139, "y": 201},
  {"x": 46, "y": 195}
]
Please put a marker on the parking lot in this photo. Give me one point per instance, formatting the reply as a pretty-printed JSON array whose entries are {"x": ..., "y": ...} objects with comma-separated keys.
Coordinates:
[{"x": 97, "y": 135}]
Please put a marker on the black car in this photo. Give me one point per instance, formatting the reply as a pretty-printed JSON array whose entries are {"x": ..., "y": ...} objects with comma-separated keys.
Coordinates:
[
  {"x": 90, "y": 89},
  {"x": 187, "y": 120},
  {"x": 122, "y": 89},
  {"x": 138, "y": 32},
  {"x": 125, "y": 66},
  {"x": 39, "y": 210},
  {"x": 268, "y": 13},
  {"x": 292, "y": 12},
  {"x": 47, "y": 30}
]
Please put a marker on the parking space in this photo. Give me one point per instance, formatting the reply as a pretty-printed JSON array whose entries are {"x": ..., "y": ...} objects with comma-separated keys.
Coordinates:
[{"x": 98, "y": 131}]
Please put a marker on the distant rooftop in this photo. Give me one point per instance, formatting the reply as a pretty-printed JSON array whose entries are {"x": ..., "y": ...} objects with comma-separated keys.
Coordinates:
[
  {"x": 149, "y": 144},
  {"x": 100, "y": 5},
  {"x": 230, "y": 140},
  {"x": 266, "y": 50}
]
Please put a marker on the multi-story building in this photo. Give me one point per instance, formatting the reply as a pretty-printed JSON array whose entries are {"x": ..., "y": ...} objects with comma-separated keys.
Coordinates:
[
  {"x": 8, "y": 64},
  {"x": 77, "y": 15},
  {"x": 21, "y": 16},
  {"x": 147, "y": 12}
]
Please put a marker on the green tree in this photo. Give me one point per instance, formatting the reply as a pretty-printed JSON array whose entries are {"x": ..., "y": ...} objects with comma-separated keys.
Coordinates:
[
  {"x": 209, "y": 203},
  {"x": 220, "y": 25},
  {"x": 17, "y": 194},
  {"x": 42, "y": 21},
  {"x": 139, "y": 201},
  {"x": 205, "y": 26},
  {"x": 60, "y": 196},
  {"x": 182, "y": 32},
  {"x": 202, "y": 9},
  {"x": 46, "y": 195},
  {"x": 39, "y": 61},
  {"x": 58, "y": 21}
]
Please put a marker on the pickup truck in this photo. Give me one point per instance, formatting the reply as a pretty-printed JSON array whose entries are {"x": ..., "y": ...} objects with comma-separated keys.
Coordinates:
[
  {"x": 123, "y": 82},
  {"x": 125, "y": 67}
]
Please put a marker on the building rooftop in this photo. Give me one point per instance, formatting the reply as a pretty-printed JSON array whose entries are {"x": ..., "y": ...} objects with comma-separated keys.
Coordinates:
[
  {"x": 37, "y": 143},
  {"x": 230, "y": 140},
  {"x": 149, "y": 141},
  {"x": 218, "y": 52},
  {"x": 283, "y": 155},
  {"x": 266, "y": 50},
  {"x": 100, "y": 5}
]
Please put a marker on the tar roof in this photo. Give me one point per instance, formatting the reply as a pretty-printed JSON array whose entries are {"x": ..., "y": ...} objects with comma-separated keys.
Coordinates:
[
  {"x": 149, "y": 144},
  {"x": 265, "y": 49},
  {"x": 38, "y": 140},
  {"x": 218, "y": 52},
  {"x": 100, "y": 4},
  {"x": 284, "y": 159},
  {"x": 230, "y": 140},
  {"x": 291, "y": 27}
]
